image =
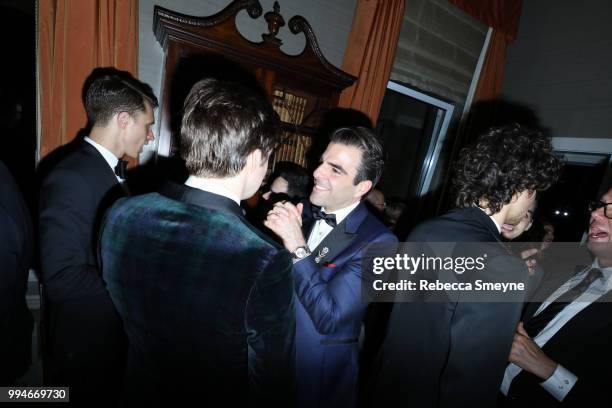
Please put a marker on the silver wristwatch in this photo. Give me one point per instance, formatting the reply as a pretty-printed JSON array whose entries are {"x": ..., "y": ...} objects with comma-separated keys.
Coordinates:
[{"x": 300, "y": 252}]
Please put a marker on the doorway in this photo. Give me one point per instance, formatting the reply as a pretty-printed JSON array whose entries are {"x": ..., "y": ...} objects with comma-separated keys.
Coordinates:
[{"x": 413, "y": 127}]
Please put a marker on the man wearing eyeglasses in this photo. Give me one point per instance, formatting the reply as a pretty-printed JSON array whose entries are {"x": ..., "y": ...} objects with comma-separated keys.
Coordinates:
[{"x": 559, "y": 355}]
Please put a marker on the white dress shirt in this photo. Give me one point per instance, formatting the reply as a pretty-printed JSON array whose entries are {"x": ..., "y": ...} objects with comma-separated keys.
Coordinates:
[
  {"x": 562, "y": 380},
  {"x": 110, "y": 158},
  {"x": 211, "y": 187},
  {"x": 321, "y": 229}
]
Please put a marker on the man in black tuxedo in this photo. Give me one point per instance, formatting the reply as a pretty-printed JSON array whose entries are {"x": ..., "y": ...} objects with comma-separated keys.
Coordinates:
[
  {"x": 86, "y": 343},
  {"x": 451, "y": 351},
  {"x": 15, "y": 260},
  {"x": 559, "y": 355}
]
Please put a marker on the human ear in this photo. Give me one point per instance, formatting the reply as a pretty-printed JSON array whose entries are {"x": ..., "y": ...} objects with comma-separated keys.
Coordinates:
[
  {"x": 123, "y": 119},
  {"x": 363, "y": 187}
]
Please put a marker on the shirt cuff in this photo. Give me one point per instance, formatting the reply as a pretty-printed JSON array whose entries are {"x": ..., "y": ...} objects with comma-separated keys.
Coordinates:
[
  {"x": 299, "y": 260},
  {"x": 560, "y": 382}
]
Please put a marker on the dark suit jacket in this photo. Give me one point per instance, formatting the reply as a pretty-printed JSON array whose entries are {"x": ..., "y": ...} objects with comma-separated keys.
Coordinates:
[
  {"x": 206, "y": 300},
  {"x": 582, "y": 346},
  {"x": 86, "y": 342},
  {"x": 451, "y": 352},
  {"x": 330, "y": 310},
  {"x": 16, "y": 321}
]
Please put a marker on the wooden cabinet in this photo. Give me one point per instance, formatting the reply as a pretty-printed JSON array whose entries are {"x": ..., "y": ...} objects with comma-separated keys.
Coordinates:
[{"x": 301, "y": 88}]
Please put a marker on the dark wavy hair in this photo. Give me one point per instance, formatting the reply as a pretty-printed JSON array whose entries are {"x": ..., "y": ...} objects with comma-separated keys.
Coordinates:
[
  {"x": 110, "y": 91},
  {"x": 502, "y": 162}
]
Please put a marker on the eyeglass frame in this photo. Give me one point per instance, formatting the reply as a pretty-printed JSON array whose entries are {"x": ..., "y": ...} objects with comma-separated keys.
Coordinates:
[{"x": 596, "y": 205}]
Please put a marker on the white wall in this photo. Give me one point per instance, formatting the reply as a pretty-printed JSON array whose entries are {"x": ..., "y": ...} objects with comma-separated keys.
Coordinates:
[
  {"x": 331, "y": 21},
  {"x": 561, "y": 66}
]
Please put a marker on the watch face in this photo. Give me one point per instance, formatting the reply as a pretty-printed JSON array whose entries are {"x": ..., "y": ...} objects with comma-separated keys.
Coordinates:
[{"x": 300, "y": 252}]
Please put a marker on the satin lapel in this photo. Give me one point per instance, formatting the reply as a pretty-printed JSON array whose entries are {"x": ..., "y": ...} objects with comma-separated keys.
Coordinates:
[
  {"x": 340, "y": 237},
  {"x": 104, "y": 172},
  {"x": 307, "y": 225},
  {"x": 307, "y": 220},
  {"x": 334, "y": 243}
]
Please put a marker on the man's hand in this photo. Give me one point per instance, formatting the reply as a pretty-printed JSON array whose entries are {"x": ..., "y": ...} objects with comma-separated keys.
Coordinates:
[
  {"x": 526, "y": 354},
  {"x": 285, "y": 220}
]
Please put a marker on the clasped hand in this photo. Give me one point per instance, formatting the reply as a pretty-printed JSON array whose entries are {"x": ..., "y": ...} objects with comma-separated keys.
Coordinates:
[{"x": 285, "y": 220}]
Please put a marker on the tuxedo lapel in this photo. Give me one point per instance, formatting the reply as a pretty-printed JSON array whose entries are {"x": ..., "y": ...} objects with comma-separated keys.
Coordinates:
[
  {"x": 333, "y": 244},
  {"x": 103, "y": 172},
  {"x": 340, "y": 237},
  {"x": 307, "y": 220}
]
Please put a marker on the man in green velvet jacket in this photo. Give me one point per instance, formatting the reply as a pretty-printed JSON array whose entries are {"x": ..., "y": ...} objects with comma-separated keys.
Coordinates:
[{"x": 206, "y": 299}]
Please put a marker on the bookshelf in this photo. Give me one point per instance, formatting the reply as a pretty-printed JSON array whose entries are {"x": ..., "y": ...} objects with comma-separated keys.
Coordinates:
[{"x": 301, "y": 88}]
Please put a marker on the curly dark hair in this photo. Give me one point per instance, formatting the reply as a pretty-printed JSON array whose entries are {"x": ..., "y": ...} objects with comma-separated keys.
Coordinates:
[{"x": 504, "y": 161}]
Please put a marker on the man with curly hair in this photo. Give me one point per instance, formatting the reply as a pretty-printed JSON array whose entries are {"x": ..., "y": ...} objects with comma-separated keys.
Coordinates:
[{"x": 453, "y": 352}]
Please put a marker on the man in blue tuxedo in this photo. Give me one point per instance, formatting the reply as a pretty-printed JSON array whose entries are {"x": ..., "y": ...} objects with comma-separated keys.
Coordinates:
[
  {"x": 205, "y": 298},
  {"x": 327, "y": 241}
]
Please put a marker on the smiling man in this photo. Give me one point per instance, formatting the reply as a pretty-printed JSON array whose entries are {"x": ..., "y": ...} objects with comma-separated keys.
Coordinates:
[
  {"x": 86, "y": 342},
  {"x": 451, "y": 352},
  {"x": 560, "y": 355},
  {"x": 327, "y": 241}
]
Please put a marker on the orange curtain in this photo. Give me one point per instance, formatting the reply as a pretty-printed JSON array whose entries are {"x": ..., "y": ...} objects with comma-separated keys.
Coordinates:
[
  {"x": 74, "y": 38},
  {"x": 370, "y": 53},
  {"x": 503, "y": 16},
  {"x": 492, "y": 74}
]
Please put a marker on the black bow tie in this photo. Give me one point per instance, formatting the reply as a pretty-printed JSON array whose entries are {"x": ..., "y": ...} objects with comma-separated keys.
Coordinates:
[
  {"x": 121, "y": 168},
  {"x": 318, "y": 214}
]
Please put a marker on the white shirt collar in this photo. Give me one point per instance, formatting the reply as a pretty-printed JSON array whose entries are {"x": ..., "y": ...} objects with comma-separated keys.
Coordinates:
[
  {"x": 492, "y": 219},
  {"x": 342, "y": 213},
  {"x": 211, "y": 187},
  {"x": 110, "y": 158}
]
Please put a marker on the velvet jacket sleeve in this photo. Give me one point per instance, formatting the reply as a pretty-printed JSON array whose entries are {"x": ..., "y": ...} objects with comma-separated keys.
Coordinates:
[
  {"x": 331, "y": 303},
  {"x": 270, "y": 324}
]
